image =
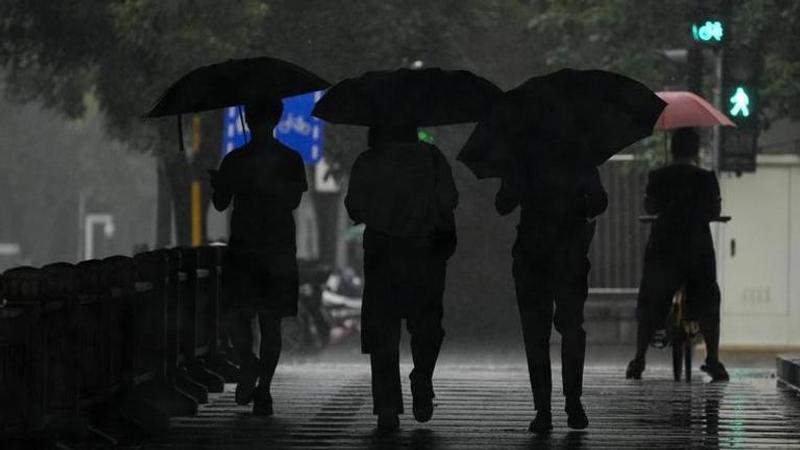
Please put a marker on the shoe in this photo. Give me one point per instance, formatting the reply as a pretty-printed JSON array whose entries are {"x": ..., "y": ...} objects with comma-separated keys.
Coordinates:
[
  {"x": 576, "y": 415},
  {"x": 248, "y": 376},
  {"x": 635, "y": 369},
  {"x": 388, "y": 423},
  {"x": 716, "y": 369},
  {"x": 542, "y": 424},
  {"x": 262, "y": 402},
  {"x": 422, "y": 396}
]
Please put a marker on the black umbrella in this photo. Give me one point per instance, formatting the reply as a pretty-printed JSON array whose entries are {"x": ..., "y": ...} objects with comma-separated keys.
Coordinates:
[
  {"x": 231, "y": 83},
  {"x": 422, "y": 97},
  {"x": 592, "y": 114},
  {"x": 235, "y": 82}
]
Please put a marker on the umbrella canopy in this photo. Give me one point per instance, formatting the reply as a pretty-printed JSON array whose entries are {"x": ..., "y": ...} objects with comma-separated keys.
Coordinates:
[
  {"x": 592, "y": 114},
  {"x": 422, "y": 97},
  {"x": 687, "y": 109},
  {"x": 235, "y": 82}
]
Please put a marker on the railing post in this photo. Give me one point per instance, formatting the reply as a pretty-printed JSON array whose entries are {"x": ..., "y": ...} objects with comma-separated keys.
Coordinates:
[
  {"x": 210, "y": 259},
  {"x": 192, "y": 345},
  {"x": 152, "y": 370},
  {"x": 175, "y": 288},
  {"x": 22, "y": 367},
  {"x": 60, "y": 295}
]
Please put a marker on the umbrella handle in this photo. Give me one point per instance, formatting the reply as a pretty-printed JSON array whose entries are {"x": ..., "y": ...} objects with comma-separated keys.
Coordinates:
[
  {"x": 180, "y": 135},
  {"x": 240, "y": 108}
]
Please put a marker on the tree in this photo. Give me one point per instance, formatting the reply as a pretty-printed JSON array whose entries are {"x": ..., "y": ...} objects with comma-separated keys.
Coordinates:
[
  {"x": 125, "y": 52},
  {"x": 626, "y": 35}
]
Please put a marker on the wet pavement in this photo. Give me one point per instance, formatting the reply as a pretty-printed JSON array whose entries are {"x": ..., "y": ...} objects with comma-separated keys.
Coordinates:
[{"x": 322, "y": 405}]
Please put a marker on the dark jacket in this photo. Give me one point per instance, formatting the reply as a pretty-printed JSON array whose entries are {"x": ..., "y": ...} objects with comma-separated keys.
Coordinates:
[
  {"x": 685, "y": 198},
  {"x": 405, "y": 195},
  {"x": 403, "y": 190},
  {"x": 266, "y": 185},
  {"x": 553, "y": 193}
]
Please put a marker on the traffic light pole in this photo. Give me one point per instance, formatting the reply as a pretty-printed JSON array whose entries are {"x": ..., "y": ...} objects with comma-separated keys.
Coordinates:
[{"x": 717, "y": 132}]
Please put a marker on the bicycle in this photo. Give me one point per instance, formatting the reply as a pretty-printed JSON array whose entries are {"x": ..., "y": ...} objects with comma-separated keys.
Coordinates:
[{"x": 679, "y": 332}]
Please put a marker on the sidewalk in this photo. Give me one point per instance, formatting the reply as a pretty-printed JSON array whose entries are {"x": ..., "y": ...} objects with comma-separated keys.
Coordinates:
[
  {"x": 328, "y": 406},
  {"x": 511, "y": 352}
]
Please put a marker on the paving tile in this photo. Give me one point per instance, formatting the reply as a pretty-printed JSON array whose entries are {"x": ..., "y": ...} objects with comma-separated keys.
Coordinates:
[{"x": 328, "y": 406}]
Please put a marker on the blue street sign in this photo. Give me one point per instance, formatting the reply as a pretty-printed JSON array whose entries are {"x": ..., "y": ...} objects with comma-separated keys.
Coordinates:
[{"x": 298, "y": 129}]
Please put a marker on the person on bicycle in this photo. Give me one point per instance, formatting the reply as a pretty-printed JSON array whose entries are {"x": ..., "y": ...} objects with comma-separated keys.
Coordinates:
[
  {"x": 680, "y": 252},
  {"x": 403, "y": 191},
  {"x": 265, "y": 180}
]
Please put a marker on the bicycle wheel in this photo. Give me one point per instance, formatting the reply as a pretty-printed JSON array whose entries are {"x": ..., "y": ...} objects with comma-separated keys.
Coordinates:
[
  {"x": 687, "y": 359},
  {"x": 677, "y": 356}
]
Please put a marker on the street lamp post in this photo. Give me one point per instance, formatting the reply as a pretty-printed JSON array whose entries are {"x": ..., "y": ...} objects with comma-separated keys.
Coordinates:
[{"x": 107, "y": 220}]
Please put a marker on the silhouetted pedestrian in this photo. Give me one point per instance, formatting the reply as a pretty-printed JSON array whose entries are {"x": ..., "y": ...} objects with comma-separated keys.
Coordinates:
[
  {"x": 559, "y": 199},
  {"x": 680, "y": 252},
  {"x": 404, "y": 192},
  {"x": 266, "y": 181},
  {"x": 544, "y": 139}
]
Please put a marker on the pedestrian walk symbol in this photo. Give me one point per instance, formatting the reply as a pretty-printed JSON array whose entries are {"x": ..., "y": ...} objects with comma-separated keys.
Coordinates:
[{"x": 740, "y": 103}]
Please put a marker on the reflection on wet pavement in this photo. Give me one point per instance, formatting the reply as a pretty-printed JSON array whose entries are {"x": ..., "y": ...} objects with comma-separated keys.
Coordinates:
[{"x": 481, "y": 407}]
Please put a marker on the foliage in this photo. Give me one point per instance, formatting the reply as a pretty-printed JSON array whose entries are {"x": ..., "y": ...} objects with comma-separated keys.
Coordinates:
[
  {"x": 124, "y": 52},
  {"x": 127, "y": 51},
  {"x": 626, "y": 35}
]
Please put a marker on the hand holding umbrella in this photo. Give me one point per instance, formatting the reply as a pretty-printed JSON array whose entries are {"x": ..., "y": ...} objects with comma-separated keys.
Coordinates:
[{"x": 687, "y": 109}]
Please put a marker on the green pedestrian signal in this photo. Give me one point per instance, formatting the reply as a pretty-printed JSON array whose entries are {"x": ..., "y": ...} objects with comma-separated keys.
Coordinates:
[
  {"x": 709, "y": 32},
  {"x": 739, "y": 103},
  {"x": 425, "y": 137},
  {"x": 738, "y": 146}
]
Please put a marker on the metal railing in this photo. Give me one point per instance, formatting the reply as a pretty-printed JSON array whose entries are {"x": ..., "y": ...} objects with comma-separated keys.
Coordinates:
[{"x": 138, "y": 334}]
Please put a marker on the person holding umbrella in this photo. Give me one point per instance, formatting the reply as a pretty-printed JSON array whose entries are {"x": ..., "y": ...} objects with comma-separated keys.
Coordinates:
[
  {"x": 673, "y": 195},
  {"x": 680, "y": 251},
  {"x": 403, "y": 191},
  {"x": 265, "y": 181},
  {"x": 544, "y": 140}
]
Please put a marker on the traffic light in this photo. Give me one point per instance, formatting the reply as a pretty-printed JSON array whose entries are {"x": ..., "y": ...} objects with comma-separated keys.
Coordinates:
[
  {"x": 740, "y": 101},
  {"x": 710, "y": 24},
  {"x": 708, "y": 31},
  {"x": 426, "y": 137}
]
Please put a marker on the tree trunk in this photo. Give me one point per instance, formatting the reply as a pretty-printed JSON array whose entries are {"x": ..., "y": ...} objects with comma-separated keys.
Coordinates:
[
  {"x": 207, "y": 156},
  {"x": 163, "y": 208},
  {"x": 178, "y": 178}
]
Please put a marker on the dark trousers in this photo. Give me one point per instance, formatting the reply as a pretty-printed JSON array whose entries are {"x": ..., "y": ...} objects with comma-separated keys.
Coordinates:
[
  {"x": 403, "y": 279},
  {"x": 241, "y": 334},
  {"x": 550, "y": 270},
  {"x": 426, "y": 340},
  {"x": 664, "y": 273}
]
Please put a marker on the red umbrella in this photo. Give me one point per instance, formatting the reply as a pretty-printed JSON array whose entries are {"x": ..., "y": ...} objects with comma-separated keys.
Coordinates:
[{"x": 686, "y": 109}]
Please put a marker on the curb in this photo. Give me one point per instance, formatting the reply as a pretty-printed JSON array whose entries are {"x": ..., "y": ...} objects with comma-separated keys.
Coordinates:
[{"x": 789, "y": 370}]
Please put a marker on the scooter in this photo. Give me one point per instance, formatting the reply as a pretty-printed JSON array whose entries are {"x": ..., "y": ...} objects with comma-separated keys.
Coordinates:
[
  {"x": 309, "y": 331},
  {"x": 341, "y": 302}
]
